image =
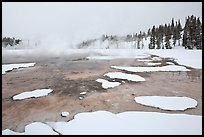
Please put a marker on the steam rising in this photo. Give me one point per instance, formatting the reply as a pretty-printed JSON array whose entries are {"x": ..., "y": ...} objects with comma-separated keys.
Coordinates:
[{"x": 56, "y": 26}]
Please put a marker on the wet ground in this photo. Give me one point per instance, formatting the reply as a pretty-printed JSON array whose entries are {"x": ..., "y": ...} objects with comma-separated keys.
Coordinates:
[{"x": 70, "y": 75}]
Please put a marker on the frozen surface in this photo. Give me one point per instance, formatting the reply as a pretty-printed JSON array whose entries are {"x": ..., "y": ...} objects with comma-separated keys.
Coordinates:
[
  {"x": 152, "y": 69},
  {"x": 132, "y": 122},
  {"x": 82, "y": 93},
  {"x": 191, "y": 58},
  {"x": 125, "y": 76},
  {"x": 167, "y": 103},
  {"x": 116, "y": 57},
  {"x": 36, "y": 128},
  {"x": 65, "y": 114},
  {"x": 125, "y": 123},
  {"x": 9, "y": 67},
  {"x": 152, "y": 64},
  {"x": 35, "y": 93},
  {"x": 107, "y": 84}
]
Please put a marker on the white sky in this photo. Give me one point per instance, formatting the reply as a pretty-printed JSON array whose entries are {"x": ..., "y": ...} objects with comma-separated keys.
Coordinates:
[{"x": 79, "y": 21}]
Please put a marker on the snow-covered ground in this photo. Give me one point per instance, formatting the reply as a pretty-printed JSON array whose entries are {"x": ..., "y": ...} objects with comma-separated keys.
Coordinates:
[
  {"x": 35, "y": 93},
  {"x": 9, "y": 67},
  {"x": 124, "y": 76},
  {"x": 107, "y": 84},
  {"x": 167, "y": 103},
  {"x": 134, "y": 122},
  {"x": 152, "y": 64},
  {"x": 192, "y": 58},
  {"x": 125, "y": 123},
  {"x": 152, "y": 69},
  {"x": 36, "y": 128},
  {"x": 117, "y": 57}
]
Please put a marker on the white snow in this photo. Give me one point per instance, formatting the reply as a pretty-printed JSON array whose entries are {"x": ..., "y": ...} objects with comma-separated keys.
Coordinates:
[
  {"x": 117, "y": 57},
  {"x": 144, "y": 60},
  {"x": 82, "y": 93},
  {"x": 170, "y": 63},
  {"x": 65, "y": 114},
  {"x": 120, "y": 75},
  {"x": 8, "y": 67},
  {"x": 157, "y": 58},
  {"x": 35, "y": 93},
  {"x": 167, "y": 103},
  {"x": 107, "y": 84},
  {"x": 132, "y": 122},
  {"x": 192, "y": 58},
  {"x": 125, "y": 123},
  {"x": 152, "y": 69},
  {"x": 36, "y": 128},
  {"x": 152, "y": 64}
]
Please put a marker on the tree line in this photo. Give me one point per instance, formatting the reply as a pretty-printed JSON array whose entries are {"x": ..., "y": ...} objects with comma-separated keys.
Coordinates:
[
  {"x": 7, "y": 41},
  {"x": 190, "y": 34},
  {"x": 168, "y": 36}
]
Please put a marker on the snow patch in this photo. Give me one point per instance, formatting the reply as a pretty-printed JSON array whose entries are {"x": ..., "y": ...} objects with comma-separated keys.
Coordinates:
[
  {"x": 167, "y": 103},
  {"x": 152, "y": 69},
  {"x": 117, "y": 57},
  {"x": 107, "y": 84},
  {"x": 127, "y": 123},
  {"x": 35, "y": 93},
  {"x": 153, "y": 64},
  {"x": 125, "y": 76},
  {"x": 9, "y": 67},
  {"x": 36, "y": 128},
  {"x": 82, "y": 93}
]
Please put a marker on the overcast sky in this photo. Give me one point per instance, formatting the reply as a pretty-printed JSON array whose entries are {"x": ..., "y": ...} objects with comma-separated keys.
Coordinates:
[{"x": 79, "y": 21}]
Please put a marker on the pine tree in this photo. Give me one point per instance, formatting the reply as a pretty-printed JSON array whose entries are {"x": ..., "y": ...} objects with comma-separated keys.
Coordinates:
[
  {"x": 149, "y": 32},
  {"x": 194, "y": 32},
  {"x": 186, "y": 33},
  {"x": 161, "y": 30},
  {"x": 198, "y": 34},
  {"x": 175, "y": 34},
  {"x": 152, "y": 39},
  {"x": 168, "y": 37},
  {"x": 136, "y": 38},
  {"x": 172, "y": 26},
  {"x": 178, "y": 33}
]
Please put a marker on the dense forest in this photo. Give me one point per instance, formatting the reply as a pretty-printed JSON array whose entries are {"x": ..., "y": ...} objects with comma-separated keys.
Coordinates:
[
  {"x": 190, "y": 34},
  {"x": 164, "y": 36}
]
